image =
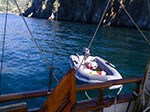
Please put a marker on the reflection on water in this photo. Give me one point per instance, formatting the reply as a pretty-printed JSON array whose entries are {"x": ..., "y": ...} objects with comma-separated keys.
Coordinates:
[{"x": 25, "y": 69}]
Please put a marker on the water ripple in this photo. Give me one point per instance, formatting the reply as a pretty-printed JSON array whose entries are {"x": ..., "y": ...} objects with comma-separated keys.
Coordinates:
[{"x": 24, "y": 68}]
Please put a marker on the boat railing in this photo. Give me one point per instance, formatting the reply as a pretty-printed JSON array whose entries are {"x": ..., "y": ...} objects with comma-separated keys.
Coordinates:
[
  {"x": 63, "y": 97},
  {"x": 102, "y": 102}
]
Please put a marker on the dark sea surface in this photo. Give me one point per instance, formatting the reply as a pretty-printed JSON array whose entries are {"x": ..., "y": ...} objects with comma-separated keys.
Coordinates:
[{"x": 25, "y": 70}]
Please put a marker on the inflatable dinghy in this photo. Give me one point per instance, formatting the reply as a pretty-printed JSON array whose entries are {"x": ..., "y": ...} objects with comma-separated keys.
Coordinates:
[{"x": 93, "y": 69}]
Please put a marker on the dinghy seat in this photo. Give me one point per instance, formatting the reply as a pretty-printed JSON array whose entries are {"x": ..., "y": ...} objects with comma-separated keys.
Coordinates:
[{"x": 75, "y": 60}]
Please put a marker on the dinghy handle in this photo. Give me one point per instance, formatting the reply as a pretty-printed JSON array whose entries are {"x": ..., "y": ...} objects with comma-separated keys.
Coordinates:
[
  {"x": 78, "y": 56},
  {"x": 108, "y": 63},
  {"x": 75, "y": 63}
]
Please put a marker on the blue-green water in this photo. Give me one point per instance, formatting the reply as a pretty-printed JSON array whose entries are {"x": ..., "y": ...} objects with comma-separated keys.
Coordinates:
[{"x": 25, "y": 70}]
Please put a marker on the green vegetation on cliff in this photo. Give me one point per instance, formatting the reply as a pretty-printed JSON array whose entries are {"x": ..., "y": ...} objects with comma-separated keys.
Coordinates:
[{"x": 23, "y": 4}]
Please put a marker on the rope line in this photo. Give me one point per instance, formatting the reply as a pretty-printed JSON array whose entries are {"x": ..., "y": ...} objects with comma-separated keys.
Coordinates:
[
  {"x": 146, "y": 110},
  {"x": 115, "y": 104},
  {"x": 3, "y": 46},
  {"x": 53, "y": 51},
  {"x": 141, "y": 88},
  {"x": 100, "y": 22},
  {"x": 95, "y": 33},
  {"x": 135, "y": 23},
  {"x": 142, "y": 85},
  {"x": 34, "y": 40},
  {"x": 86, "y": 94}
]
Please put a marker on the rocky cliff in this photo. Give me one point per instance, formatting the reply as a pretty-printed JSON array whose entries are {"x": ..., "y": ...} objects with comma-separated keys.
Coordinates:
[
  {"x": 90, "y": 11},
  {"x": 139, "y": 11}
]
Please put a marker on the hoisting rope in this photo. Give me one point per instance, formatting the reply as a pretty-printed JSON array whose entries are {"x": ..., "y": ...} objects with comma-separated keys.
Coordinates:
[
  {"x": 122, "y": 5},
  {"x": 3, "y": 47},
  {"x": 35, "y": 40},
  {"x": 100, "y": 22},
  {"x": 95, "y": 33}
]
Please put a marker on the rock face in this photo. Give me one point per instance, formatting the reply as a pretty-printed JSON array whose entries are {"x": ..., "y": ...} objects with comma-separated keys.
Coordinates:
[
  {"x": 139, "y": 11},
  {"x": 90, "y": 11},
  {"x": 40, "y": 9}
]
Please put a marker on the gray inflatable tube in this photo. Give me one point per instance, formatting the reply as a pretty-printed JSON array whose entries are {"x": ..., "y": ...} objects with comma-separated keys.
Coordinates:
[{"x": 87, "y": 75}]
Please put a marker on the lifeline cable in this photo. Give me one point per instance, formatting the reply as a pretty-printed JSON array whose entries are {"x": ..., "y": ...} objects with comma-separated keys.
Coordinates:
[
  {"x": 35, "y": 40},
  {"x": 3, "y": 46}
]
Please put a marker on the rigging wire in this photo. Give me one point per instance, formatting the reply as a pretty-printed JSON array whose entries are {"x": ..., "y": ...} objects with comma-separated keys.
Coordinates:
[
  {"x": 122, "y": 5},
  {"x": 3, "y": 46},
  {"x": 142, "y": 86},
  {"x": 34, "y": 40},
  {"x": 143, "y": 81}
]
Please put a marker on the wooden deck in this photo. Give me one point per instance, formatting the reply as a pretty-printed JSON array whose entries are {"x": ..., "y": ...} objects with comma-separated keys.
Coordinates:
[{"x": 63, "y": 97}]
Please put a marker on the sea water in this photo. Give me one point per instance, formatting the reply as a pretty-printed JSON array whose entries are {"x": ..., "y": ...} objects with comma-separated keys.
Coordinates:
[{"x": 25, "y": 70}]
